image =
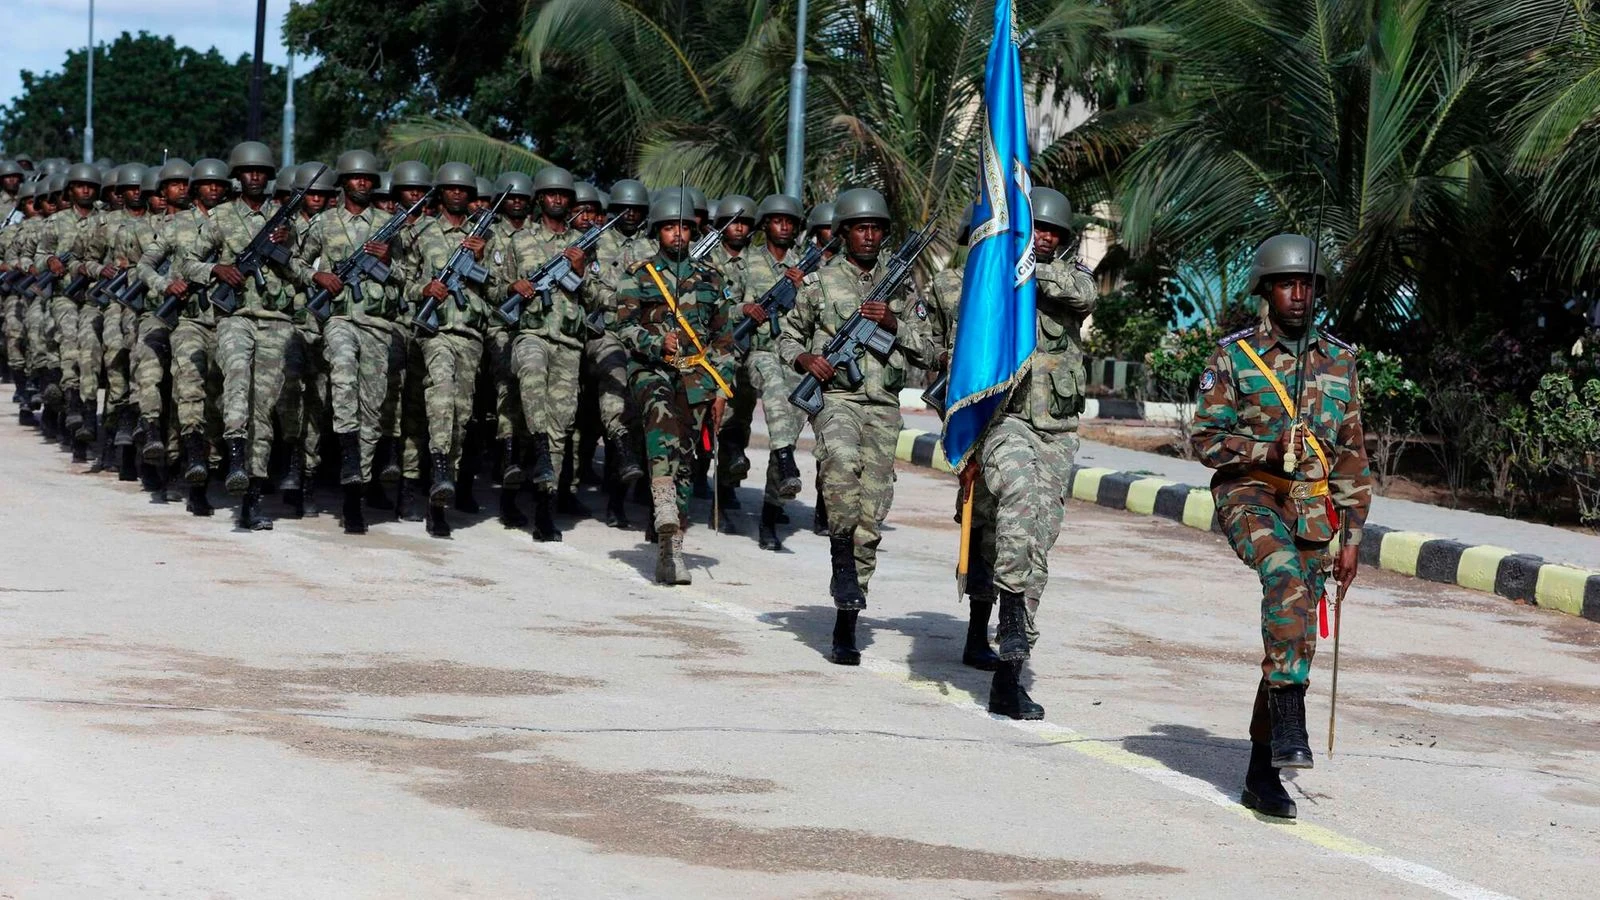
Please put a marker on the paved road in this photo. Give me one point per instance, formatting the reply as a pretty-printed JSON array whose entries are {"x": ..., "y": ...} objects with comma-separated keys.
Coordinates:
[{"x": 189, "y": 711}]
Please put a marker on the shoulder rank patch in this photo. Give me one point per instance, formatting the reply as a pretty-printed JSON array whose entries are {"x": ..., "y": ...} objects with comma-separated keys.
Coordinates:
[
  {"x": 1208, "y": 380},
  {"x": 1338, "y": 342},
  {"x": 1241, "y": 333}
]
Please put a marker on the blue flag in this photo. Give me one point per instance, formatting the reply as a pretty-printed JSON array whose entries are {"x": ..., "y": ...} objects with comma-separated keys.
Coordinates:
[{"x": 995, "y": 327}]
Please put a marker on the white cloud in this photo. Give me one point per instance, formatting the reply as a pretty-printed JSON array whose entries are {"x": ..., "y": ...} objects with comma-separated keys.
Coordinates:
[{"x": 56, "y": 26}]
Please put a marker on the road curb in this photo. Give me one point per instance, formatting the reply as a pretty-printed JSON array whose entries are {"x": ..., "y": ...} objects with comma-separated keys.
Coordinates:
[{"x": 1523, "y": 577}]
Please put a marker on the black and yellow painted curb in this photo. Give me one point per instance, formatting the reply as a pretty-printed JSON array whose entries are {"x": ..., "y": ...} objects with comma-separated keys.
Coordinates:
[{"x": 1516, "y": 576}]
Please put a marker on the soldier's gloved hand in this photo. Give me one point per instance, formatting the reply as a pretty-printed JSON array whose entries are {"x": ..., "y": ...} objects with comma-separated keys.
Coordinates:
[
  {"x": 228, "y": 274},
  {"x": 177, "y": 287},
  {"x": 55, "y": 265},
  {"x": 1345, "y": 566},
  {"x": 108, "y": 271},
  {"x": 818, "y": 366},
  {"x": 795, "y": 276},
  {"x": 670, "y": 344},
  {"x": 328, "y": 282},
  {"x": 878, "y": 311},
  {"x": 435, "y": 290},
  {"x": 575, "y": 258},
  {"x": 476, "y": 245},
  {"x": 378, "y": 249},
  {"x": 755, "y": 311},
  {"x": 524, "y": 287}
]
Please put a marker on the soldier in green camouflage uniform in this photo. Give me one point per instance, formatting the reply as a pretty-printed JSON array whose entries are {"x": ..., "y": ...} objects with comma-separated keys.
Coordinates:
[
  {"x": 671, "y": 317},
  {"x": 1025, "y": 463},
  {"x": 256, "y": 345},
  {"x": 411, "y": 181},
  {"x": 16, "y": 307},
  {"x": 157, "y": 437},
  {"x": 451, "y": 356},
  {"x": 363, "y": 347},
  {"x": 73, "y": 229},
  {"x": 302, "y": 409},
  {"x": 735, "y": 214},
  {"x": 44, "y": 350},
  {"x": 1284, "y": 482},
  {"x": 762, "y": 374},
  {"x": 118, "y": 322},
  {"x": 819, "y": 231},
  {"x": 858, "y": 428},
  {"x": 11, "y": 218},
  {"x": 511, "y": 428}
]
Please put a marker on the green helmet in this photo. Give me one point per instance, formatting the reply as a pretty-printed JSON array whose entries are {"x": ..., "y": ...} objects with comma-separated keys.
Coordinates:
[
  {"x": 629, "y": 192},
  {"x": 84, "y": 173},
  {"x": 385, "y": 184},
  {"x": 779, "y": 205},
  {"x": 7, "y": 167},
  {"x": 670, "y": 207},
  {"x": 175, "y": 169},
  {"x": 326, "y": 182},
  {"x": 1287, "y": 254},
  {"x": 455, "y": 174},
  {"x": 302, "y": 176},
  {"x": 251, "y": 155},
  {"x": 285, "y": 180},
  {"x": 1051, "y": 207},
  {"x": 698, "y": 198},
  {"x": 357, "y": 162},
  {"x": 104, "y": 162},
  {"x": 514, "y": 184},
  {"x": 23, "y": 161},
  {"x": 58, "y": 183},
  {"x": 209, "y": 169},
  {"x": 821, "y": 216},
  {"x": 485, "y": 187},
  {"x": 151, "y": 182},
  {"x": 605, "y": 199},
  {"x": 734, "y": 206},
  {"x": 54, "y": 166},
  {"x": 553, "y": 178},
  {"x": 24, "y": 190},
  {"x": 130, "y": 175},
  {"x": 413, "y": 174},
  {"x": 584, "y": 192},
  {"x": 108, "y": 175},
  {"x": 860, "y": 203}
]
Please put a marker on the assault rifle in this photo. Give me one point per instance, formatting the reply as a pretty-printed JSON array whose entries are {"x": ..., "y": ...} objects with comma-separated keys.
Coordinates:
[
  {"x": 45, "y": 281},
  {"x": 363, "y": 265},
  {"x": 462, "y": 267},
  {"x": 261, "y": 250},
  {"x": 709, "y": 240},
  {"x": 556, "y": 272},
  {"x": 12, "y": 219},
  {"x": 172, "y": 303},
  {"x": 935, "y": 395},
  {"x": 779, "y": 298},
  {"x": 13, "y": 281},
  {"x": 108, "y": 289},
  {"x": 860, "y": 335}
]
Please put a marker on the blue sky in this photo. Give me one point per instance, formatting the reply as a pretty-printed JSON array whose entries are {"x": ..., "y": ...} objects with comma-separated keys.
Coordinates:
[{"x": 39, "y": 33}]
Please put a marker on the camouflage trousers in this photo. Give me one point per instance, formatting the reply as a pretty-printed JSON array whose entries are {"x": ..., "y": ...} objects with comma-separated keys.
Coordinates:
[
  {"x": 62, "y": 340},
  {"x": 16, "y": 326},
  {"x": 672, "y": 428},
  {"x": 196, "y": 379},
  {"x": 855, "y": 448},
  {"x": 547, "y": 381},
  {"x": 413, "y": 411},
  {"x": 1292, "y": 575},
  {"x": 762, "y": 377},
  {"x": 116, "y": 341},
  {"x": 608, "y": 367},
  {"x": 149, "y": 388},
  {"x": 1019, "y": 501},
  {"x": 258, "y": 357},
  {"x": 41, "y": 337},
  {"x": 302, "y": 408},
  {"x": 498, "y": 367},
  {"x": 90, "y": 354},
  {"x": 366, "y": 360},
  {"x": 451, "y": 359}
]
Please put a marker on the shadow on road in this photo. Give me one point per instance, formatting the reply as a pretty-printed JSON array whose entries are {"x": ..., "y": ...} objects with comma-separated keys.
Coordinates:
[
  {"x": 1195, "y": 752},
  {"x": 642, "y": 557},
  {"x": 813, "y": 626},
  {"x": 936, "y": 642}
]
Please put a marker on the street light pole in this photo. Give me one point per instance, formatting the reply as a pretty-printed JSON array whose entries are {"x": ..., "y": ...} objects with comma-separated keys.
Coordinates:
[
  {"x": 288, "y": 115},
  {"x": 794, "y": 153},
  {"x": 252, "y": 129},
  {"x": 88, "y": 96}
]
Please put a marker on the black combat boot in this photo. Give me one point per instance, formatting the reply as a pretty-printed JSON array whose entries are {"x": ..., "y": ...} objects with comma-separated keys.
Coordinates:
[
  {"x": 511, "y": 516},
  {"x": 199, "y": 502},
  {"x": 154, "y": 448},
  {"x": 127, "y": 464},
  {"x": 105, "y": 449},
  {"x": 512, "y": 475},
  {"x": 1012, "y": 632},
  {"x": 624, "y": 459},
  {"x": 845, "y": 585},
  {"x": 25, "y": 414},
  {"x": 1263, "y": 789},
  {"x": 293, "y": 485},
  {"x": 466, "y": 500},
  {"x": 410, "y": 495},
  {"x": 153, "y": 480},
  {"x": 767, "y": 537},
  {"x": 238, "y": 480},
  {"x": 544, "y": 520},
  {"x": 1007, "y": 697},
  {"x": 387, "y": 458},
  {"x": 781, "y": 461},
  {"x": 89, "y": 428},
  {"x": 197, "y": 458},
  {"x": 127, "y": 421},
  {"x": 544, "y": 471},
  {"x": 819, "y": 517},
  {"x": 728, "y": 495},
  {"x": 250, "y": 516},
  {"x": 844, "y": 651},
  {"x": 438, "y": 525},
  {"x": 355, "y": 520},
  {"x": 700, "y": 476},
  {"x": 443, "y": 491},
  {"x": 349, "y": 457},
  {"x": 74, "y": 419},
  {"x": 377, "y": 497},
  {"x": 80, "y": 450},
  {"x": 617, "y": 506},
  {"x": 1291, "y": 747},
  {"x": 977, "y": 653}
]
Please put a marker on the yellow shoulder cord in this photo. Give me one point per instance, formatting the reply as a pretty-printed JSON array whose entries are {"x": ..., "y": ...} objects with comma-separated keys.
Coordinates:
[
  {"x": 1283, "y": 395},
  {"x": 699, "y": 356}
]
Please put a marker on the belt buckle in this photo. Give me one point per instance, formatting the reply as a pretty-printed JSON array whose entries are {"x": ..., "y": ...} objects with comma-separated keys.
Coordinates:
[{"x": 1302, "y": 490}]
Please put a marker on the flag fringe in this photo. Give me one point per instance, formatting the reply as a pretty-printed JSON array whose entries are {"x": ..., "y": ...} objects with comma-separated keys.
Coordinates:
[{"x": 1004, "y": 387}]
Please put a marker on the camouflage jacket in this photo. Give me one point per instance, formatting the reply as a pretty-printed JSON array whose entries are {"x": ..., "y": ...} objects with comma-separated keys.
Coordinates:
[
  {"x": 19, "y": 254},
  {"x": 8, "y": 202},
  {"x": 762, "y": 271},
  {"x": 69, "y": 231},
  {"x": 227, "y": 231},
  {"x": 735, "y": 274},
  {"x": 174, "y": 244},
  {"x": 1240, "y": 417},
  {"x": 527, "y": 249},
  {"x": 644, "y": 319},
  {"x": 132, "y": 235},
  {"x": 434, "y": 239},
  {"x": 614, "y": 256},
  {"x": 334, "y": 236},
  {"x": 944, "y": 296},
  {"x": 831, "y": 295},
  {"x": 1050, "y": 396}
]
